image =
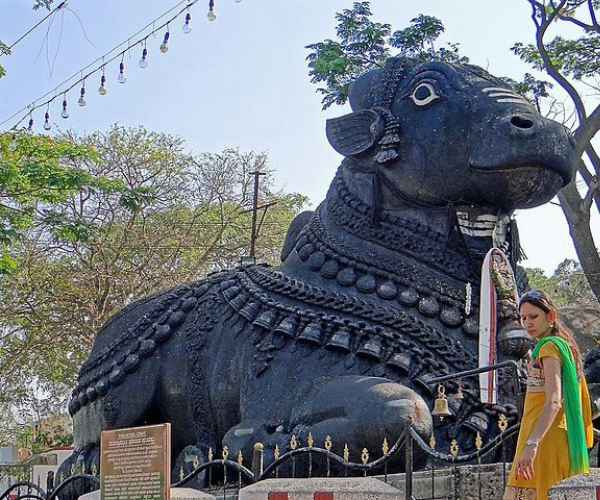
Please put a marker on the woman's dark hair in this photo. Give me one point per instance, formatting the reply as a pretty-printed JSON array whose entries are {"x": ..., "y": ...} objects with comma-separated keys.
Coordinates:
[{"x": 541, "y": 299}]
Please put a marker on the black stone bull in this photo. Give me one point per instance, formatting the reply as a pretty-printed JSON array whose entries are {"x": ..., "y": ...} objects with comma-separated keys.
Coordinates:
[{"x": 371, "y": 298}]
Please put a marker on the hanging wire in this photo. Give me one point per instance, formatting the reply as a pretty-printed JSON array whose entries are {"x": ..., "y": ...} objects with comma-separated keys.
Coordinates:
[
  {"x": 51, "y": 13},
  {"x": 103, "y": 60}
]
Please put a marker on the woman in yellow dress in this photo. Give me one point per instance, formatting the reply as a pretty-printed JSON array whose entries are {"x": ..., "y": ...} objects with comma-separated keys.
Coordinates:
[{"x": 556, "y": 427}]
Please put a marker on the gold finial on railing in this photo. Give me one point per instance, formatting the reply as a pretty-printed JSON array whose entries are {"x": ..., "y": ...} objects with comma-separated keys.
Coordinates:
[
  {"x": 61, "y": 478},
  {"x": 454, "y": 448},
  {"x": 385, "y": 447},
  {"x": 181, "y": 473},
  {"x": 276, "y": 452},
  {"x": 310, "y": 440},
  {"x": 240, "y": 457},
  {"x": 210, "y": 455},
  {"x": 225, "y": 452},
  {"x": 478, "y": 441},
  {"x": 196, "y": 461},
  {"x": 432, "y": 441},
  {"x": 502, "y": 422},
  {"x": 328, "y": 443},
  {"x": 72, "y": 469},
  {"x": 364, "y": 456},
  {"x": 293, "y": 442},
  {"x": 94, "y": 470},
  {"x": 346, "y": 453}
]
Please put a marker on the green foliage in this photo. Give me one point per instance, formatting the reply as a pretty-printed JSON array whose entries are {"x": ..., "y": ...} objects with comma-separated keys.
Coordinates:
[
  {"x": 35, "y": 177},
  {"x": 532, "y": 88},
  {"x": 567, "y": 286},
  {"x": 4, "y": 51},
  {"x": 42, "y": 4},
  {"x": 579, "y": 58},
  {"x": 94, "y": 252},
  {"x": 363, "y": 44}
]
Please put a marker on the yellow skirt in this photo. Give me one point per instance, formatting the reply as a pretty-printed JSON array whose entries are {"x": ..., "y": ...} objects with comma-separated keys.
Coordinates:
[{"x": 551, "y": 463}]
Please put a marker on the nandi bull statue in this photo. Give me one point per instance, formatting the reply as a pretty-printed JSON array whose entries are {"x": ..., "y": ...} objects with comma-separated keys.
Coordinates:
[{"x": 372, "y": 296}]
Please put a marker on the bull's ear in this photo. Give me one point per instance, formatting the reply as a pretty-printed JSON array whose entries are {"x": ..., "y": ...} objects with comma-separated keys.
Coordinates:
[{"x": 355, "y": 133}]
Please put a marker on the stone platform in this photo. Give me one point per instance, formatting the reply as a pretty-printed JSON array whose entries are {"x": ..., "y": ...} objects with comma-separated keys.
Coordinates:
[
  {"x": 321, "y": 489},
  {"x": 580, "y": 487},
  {"x": 176, "y": 494}
]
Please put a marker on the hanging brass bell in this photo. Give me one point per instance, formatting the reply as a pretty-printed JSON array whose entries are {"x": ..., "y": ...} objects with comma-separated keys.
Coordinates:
[{"x": 440, "y": 408}]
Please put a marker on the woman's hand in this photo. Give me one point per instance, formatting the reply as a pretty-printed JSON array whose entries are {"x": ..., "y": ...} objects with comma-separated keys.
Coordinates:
[{"x": 525, "y": 462}]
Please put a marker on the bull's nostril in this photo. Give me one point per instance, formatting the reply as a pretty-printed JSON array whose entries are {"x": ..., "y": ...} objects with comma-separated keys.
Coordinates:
[{"x": 520, "y": 122}]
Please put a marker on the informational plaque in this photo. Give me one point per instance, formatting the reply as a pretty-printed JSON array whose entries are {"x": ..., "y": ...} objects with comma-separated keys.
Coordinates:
[{"x": 135, "y": 463}]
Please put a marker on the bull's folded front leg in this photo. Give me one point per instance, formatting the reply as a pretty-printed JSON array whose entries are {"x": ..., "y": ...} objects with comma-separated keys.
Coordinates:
[
  {"x": 353, "y": 411},
  {"x": 360, "y": 412}
]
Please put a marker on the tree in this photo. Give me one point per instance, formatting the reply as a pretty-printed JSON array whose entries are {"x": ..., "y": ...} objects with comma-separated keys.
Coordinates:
[
  {"x": 567, "y": 285},
  {"x": 364, "y": 44},
  {"x": 34, "y": 178},
  {"x": 572, "y": 63},
  {"x": 192, "y": 218}
]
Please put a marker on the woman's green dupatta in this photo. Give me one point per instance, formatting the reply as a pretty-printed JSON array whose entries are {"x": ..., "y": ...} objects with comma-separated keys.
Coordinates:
[{"x": 578, "y": 454}]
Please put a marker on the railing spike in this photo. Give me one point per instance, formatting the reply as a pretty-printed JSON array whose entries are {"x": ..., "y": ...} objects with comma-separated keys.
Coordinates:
[
  {"x": 432, "y": 441},
  {"x": 364, "y": 456},
  {"x": 454, "y": 448}
]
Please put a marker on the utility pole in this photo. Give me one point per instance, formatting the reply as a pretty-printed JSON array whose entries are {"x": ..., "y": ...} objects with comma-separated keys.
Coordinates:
[{"x": 257, "y": 175}]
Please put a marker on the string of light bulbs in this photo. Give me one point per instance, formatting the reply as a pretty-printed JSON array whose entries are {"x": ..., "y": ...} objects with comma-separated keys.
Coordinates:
[{"x": 99, "y": 65}]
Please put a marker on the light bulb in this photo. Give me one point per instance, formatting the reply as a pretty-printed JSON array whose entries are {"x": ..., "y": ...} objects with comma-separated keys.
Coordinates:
[
  {"x": 238, "y": 1},
  {"x": 102, "y": 89},
  {"x": 122, "y": 78},
  {"x": 144, "y": 61},
  {"x": 81, "y": 100},
  {"x": 64, "y": 113},
  {"x": 186, "y": 28},
  {"x": 47, "y": 125},
  {"x": 30, "y": 126},
  {"x": 211, "y": 16},
  {"x": 164, "y": 47}
]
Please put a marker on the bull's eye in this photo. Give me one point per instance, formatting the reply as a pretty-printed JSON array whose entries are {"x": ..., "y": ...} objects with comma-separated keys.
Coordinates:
[{"x": 423, "y": 94}]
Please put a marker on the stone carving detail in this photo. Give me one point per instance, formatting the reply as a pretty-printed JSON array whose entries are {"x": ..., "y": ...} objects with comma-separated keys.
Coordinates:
[{"x": 378, "y": 289}]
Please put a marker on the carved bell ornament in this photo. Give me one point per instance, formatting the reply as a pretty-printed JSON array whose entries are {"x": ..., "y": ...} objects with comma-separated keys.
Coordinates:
[{"x": 440, "y": 408}]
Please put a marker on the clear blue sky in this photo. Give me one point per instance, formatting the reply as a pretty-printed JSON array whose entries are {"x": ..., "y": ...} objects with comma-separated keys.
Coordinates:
[{"x": 241, "y": 80}]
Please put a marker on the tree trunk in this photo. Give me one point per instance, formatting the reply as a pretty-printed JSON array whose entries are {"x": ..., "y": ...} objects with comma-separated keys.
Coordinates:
[{"x": 578, "y": 219}]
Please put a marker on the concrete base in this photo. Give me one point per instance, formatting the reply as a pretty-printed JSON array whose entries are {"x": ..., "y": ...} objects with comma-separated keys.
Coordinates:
[
  {"x": 461, "y": 482},
  {"x": 176, "y": 494},
  {"x": 321, "y": 489},
  {"x": 580, "y": 487}
]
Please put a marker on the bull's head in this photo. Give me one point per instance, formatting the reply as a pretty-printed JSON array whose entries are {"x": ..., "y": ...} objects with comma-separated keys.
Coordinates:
[{"x": 438, "y": 133}]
